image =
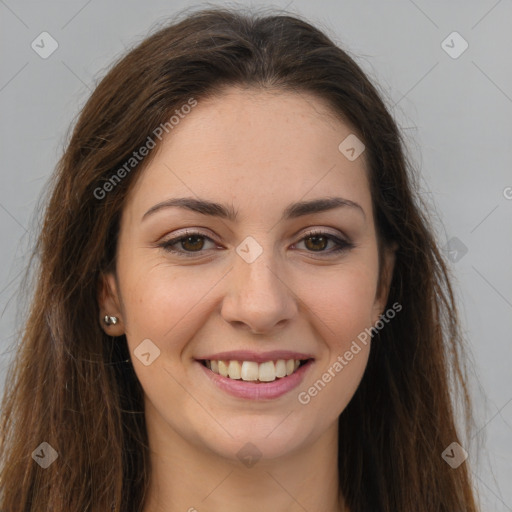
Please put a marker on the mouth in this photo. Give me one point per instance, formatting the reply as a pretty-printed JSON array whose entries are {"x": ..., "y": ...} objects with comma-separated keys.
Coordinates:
[
  {"x": 252, "y": 371},
  {"x": 255, "y": 380}
]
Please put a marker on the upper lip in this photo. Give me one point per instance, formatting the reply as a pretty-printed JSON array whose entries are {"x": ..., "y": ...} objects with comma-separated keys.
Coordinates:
[{"x": 258, "y": 357}]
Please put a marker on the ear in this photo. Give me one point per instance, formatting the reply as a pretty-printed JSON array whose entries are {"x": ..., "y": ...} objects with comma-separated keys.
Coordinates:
[
  {"x": 109, "y": 304},
  {"x": 388, "y": 265}
]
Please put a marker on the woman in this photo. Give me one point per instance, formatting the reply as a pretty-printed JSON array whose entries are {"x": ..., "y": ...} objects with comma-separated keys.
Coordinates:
[{"x": 231, "y": 228}]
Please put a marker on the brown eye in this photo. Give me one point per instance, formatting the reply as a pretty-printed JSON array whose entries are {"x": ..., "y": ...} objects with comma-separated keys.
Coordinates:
[
  {"x": 319, "y": 242},
  {"x": 187, "y": 245},
  {"x": 192, "y": 243}
]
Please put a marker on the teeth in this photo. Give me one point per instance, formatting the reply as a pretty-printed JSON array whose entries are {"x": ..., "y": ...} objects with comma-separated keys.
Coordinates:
[
  {"x": 280, "y": 368},
  {"x": 249, "y": 370},
  {"x": 223, "y": 368},
  {"x": 252, "y": 371},
  {"x": 267, "y": 371},
  {"x": 234, "y": 370}
]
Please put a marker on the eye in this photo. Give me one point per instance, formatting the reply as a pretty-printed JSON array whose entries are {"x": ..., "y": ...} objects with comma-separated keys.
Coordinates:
[
  {"x": 317, "y": 241},
  {"x": 191, "y": 242}
]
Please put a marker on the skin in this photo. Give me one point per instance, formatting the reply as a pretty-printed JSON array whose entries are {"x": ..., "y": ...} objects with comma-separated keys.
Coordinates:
[{"x": 257, "y": 151}]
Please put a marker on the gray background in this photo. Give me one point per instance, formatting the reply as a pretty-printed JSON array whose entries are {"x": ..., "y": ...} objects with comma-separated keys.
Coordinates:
[{"x": 455, "y": 113}]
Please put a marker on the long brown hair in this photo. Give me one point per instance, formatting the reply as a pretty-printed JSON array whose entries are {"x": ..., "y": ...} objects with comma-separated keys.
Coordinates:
[{"x": 74, "y": 387}]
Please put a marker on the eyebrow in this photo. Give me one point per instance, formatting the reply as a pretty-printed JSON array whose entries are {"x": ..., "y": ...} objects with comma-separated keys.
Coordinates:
[{"x": 292, "y": 211}]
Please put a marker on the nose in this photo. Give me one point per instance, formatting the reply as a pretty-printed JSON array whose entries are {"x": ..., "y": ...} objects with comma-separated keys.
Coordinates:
[{"x": 258, "y": 297}]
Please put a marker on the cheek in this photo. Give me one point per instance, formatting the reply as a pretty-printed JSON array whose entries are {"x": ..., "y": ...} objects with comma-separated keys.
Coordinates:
[
  {"x": 165, "y": 303},
  {"x": 342, "y": 309},
  {"x": 342, "y": 301}
]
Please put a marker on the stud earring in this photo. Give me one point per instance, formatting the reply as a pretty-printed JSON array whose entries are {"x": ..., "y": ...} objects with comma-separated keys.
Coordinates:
[{"x": 110, "y": 320}]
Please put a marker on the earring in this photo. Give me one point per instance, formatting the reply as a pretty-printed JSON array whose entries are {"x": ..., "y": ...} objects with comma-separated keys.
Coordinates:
[{"x": 110, "y": 320}]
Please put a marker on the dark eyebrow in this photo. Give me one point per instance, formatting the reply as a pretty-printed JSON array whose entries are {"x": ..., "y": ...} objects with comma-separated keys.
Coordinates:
[{"x": 293, "y": 211}]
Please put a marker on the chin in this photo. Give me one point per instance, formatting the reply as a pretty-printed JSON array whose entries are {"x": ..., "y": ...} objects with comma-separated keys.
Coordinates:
[{"x": 260, "y": 437}]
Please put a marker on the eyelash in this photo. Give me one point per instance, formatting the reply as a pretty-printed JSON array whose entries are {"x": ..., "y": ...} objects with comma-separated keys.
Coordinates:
[{"x": 342, "y": 245}]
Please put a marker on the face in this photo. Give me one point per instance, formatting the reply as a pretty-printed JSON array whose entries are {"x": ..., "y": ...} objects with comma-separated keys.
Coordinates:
[{"x": 251, "y": 286}]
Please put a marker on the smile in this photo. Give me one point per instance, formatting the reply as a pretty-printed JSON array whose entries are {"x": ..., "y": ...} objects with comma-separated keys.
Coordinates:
[
  {"x": 251, "y": 371},
  {"x": 255, "y": 380}
]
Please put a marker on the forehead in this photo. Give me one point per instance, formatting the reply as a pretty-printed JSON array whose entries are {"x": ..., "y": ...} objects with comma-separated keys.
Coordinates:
[{"x": 252, "y": 148}]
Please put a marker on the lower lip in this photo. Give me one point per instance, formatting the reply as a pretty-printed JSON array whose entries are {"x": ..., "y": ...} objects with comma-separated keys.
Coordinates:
[{"x": 258, "y": 391}]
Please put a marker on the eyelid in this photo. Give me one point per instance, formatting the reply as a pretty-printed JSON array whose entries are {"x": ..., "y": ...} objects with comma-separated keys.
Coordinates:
[
  {"x": 324, "y": 230},
  {"x": 192, "y": 231}
]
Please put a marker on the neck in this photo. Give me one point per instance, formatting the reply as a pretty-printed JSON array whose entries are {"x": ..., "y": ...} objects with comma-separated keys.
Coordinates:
[{"x": 187, "y": 477}]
